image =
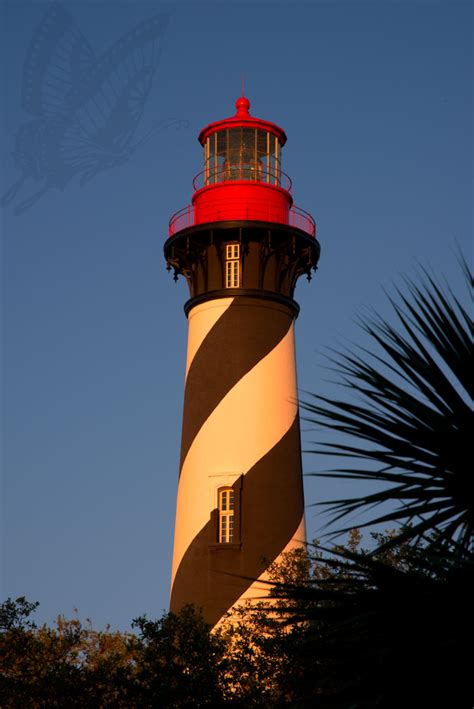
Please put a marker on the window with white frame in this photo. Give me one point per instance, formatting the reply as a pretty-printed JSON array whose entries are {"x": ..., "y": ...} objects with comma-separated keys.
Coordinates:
[
  {"x": 232, "y": 265},
  {"x": 226, "y": 515}
]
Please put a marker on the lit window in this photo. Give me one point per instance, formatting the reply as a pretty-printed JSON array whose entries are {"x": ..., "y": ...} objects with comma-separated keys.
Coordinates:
[
  {"x": 232, "y": 265},
  {"x": 232, "y": 251},
  {"x": 226, "y": 515}
]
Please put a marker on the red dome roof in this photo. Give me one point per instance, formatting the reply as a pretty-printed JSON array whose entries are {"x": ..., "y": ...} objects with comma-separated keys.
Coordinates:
[{"x": 242, "y": 119}]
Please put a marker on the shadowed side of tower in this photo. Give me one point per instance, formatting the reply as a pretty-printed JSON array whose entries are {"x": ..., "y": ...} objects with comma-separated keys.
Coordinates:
[{"x": 240, "y": 496}]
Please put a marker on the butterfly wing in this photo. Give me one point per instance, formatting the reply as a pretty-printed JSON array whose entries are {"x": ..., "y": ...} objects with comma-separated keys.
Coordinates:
[
  {"x": 58, "y": 59},
  {"x": 90, "y": 111},
  {"x": 111, "y": 99}
]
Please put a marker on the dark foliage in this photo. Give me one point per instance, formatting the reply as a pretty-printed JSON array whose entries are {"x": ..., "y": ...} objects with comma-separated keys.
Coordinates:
[
  {"x": 180, "y": 661},
  {"x": 383, "y": 634}
]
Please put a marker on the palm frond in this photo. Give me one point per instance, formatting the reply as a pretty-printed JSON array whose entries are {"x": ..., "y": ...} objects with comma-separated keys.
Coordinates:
[{"x": 409, "y": 416}]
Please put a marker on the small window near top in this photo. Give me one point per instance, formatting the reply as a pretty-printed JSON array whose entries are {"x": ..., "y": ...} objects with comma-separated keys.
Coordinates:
[
  {"x": 232, "y": 265},
  {"x": 226, "y": 515},
  {"x": 232, "y": 251}
]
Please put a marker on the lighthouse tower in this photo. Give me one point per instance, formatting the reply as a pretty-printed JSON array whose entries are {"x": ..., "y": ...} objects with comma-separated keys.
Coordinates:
[{"x": 241, "y": 245}]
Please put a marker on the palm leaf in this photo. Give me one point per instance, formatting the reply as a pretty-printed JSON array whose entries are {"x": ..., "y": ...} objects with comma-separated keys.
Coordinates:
[{"x": 408, "y": 418}]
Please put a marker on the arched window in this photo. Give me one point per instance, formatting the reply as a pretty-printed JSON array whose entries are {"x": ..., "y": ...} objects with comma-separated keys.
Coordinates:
[
  {"x": 226, "y": 520},
  {"x": 226, "y": 506}
]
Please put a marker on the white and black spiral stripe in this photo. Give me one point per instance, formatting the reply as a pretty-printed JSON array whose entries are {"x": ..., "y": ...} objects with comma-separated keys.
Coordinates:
[{"x": 240, "y": 427}]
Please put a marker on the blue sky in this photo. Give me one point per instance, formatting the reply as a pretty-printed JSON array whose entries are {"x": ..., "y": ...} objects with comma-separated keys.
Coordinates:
[{"x": 376, "y": 100}]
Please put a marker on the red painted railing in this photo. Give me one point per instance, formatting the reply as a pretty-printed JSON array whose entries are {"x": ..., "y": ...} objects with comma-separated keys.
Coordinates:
[
  {"x": 301, "y": 219},
  {"x": 256, "y": 211},
  {"x": 182, "y": 219}
]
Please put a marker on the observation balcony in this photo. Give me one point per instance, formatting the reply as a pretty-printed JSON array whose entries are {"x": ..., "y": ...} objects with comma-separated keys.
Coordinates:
[{"x": 242, "y": 191}]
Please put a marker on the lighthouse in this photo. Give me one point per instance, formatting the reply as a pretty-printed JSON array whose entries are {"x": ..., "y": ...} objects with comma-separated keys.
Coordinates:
[{"x": 241, "y": 246}]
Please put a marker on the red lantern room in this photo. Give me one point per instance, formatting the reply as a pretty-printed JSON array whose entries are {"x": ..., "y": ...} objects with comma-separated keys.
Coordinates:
[
  {"x": 241, "y": 186},
  {"x": 242, "y": 176}
]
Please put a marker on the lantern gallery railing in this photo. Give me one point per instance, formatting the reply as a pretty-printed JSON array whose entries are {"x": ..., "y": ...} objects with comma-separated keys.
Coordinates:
[
  {"x": 182, "y": 219},
  {"x": 252, "y": 211},
  {"x": 247, "y": 172},
  {"x": 301, "y": 219}
]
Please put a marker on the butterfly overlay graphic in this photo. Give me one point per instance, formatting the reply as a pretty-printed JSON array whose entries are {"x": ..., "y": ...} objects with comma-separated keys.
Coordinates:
[{"x": 85, "y": 110}]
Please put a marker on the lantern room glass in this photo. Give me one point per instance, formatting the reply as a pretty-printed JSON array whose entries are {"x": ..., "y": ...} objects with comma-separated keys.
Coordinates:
[{"x": 242, "y": 154}]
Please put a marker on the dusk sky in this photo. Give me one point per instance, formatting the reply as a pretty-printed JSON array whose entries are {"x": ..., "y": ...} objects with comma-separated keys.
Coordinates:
[{"x": 376, "y": 101}]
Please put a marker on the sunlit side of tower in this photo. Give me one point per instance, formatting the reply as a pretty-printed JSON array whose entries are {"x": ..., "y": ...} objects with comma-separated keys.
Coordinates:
[{"x": 241, "y": 246}]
